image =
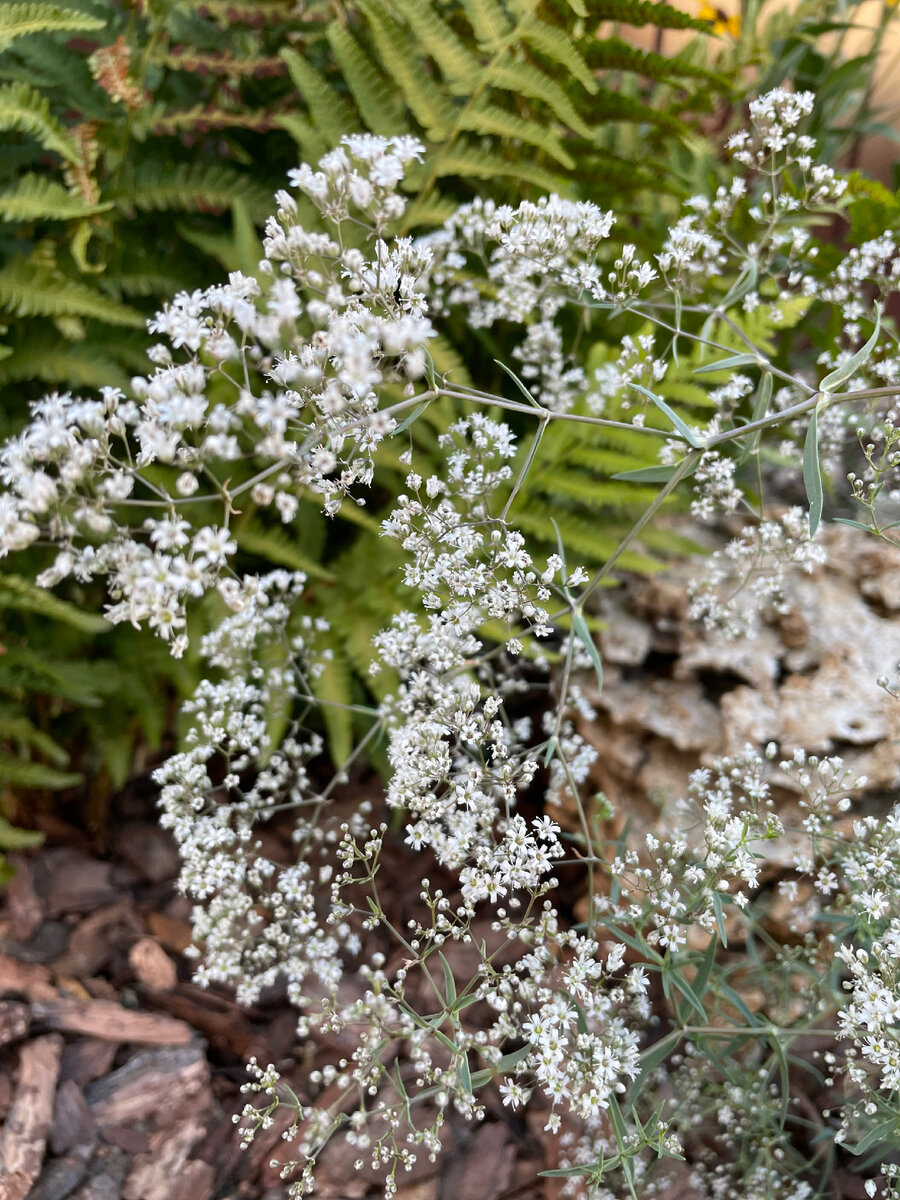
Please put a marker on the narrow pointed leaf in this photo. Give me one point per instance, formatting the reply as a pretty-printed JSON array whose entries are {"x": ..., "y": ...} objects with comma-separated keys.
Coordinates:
[
  {"x": 812, "y": 474},
  {"x": 728, "y": 364},
  {"x": 849, "y": 368}
]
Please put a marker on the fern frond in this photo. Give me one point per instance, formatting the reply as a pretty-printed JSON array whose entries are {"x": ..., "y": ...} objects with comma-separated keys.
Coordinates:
[
  {"x": 645, "y": 12},
  {"x": 19, "y": 20},
  {"x": 30, "y": 291},
  {"x": 457, "y": 63},
  {"x": 590, "y": 493},
  {"x": 488, "y": 20},
  {"x": 582, "y": 537},
  {"x": 556, "y": 45},
  {"x": 616, "y": 106},
  {"x": 203, "y": 117},
  {"x": 470, "y": 162},
  {"x": 25, "y": 774},
  {"x": 404, "y": 67},
  {"x": 23, "y": 108},
  {"x": 525, "y": 79},
  {"x": 74, "y": 365},
  {"x": 373, "y": 94},
  {"x": 19, "y": 594},
  {"x": 16, "y": 728},
  {"x": 333, "y": 687},
  {"x": 39, "y": 198},
  {"x": 224, "y": 63},
  {"x": 193, "y": 186},
  {"x": 277, "y": 546},
  {"x": 485, "y": 118},
  {"x": 332, "y": 115},
  {"x": 612, "y": 54}
]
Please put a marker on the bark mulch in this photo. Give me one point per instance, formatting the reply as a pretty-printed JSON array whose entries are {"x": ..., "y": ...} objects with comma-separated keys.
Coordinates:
[{"x": 119, "y": 1077}]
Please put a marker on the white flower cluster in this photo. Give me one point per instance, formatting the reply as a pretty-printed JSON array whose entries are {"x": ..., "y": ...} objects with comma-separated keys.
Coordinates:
[
  {"x": 278, "y": 397},
  {"x": 281, "y": 387},
  {"x": 743, "y": 583}
]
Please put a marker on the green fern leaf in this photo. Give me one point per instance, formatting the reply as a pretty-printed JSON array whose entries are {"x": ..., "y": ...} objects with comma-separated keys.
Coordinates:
[
  {"x": 26, "y": 735},
  {"x": 74, "y": 365},
  {"x": 645, "y": 12},
  {"x": 311, "y": 144},
  {"x": 23, "y": 108},
  {"x": 18, "y": 20},
  {"x": 556, "y": 45},
  {"x": 12, "y": 838},
  {"x": 612, "y": 54},
  {"x": 333, "y": 688},
  {"x": 591, "y": 493},
  {"x": 488, "y": 20},
  {"x": 157, "y": 187},
  {"x": 17, "y": 593},
  {"x": 616, "y": 106},
  {"x": 25, "y": 774},
  {"x": 277, "y": 546},
  {"x": 405, "y": 68},
  {"x": 483, "y": 117},
  {"x": 30, "y": 291},
  {"x": 522, "y": 78},
  {"x": 39, "y": 198},
  {"x": 469, "y": 162},
  {"x": 373, "y": 94},
  {"x": 456, "y": 62},
  {"x": 330, "y": 112}
]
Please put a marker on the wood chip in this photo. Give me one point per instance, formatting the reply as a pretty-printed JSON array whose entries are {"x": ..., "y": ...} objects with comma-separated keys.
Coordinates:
[
  {"x": 152, "y": 1174},
  {"x": 147, "y": 1084},
  {"x": 24, "y": 1136},
  {"x": 86, "y": 1060},
  {"x": 73, "y": 1123},
  {"x": 62, "y": 1175},
  {"x": 482, "y": 1167},
  {"x": 74, "y": 883},
  {"x": 172, "y": 933},
  {"x": 25, "y": 979},
  {"x": 95, "y": 939},
  {"x": 110, "y": 1021},
  {"x": 152, "y": 965},
  {"x": 15, "y": 1019},
  {"x": 23, "y": 904}
]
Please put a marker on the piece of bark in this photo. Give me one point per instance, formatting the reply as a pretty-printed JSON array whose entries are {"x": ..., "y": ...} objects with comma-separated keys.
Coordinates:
[
  {"x": 107, "y": 1172},
  {"x": 482, "y": 1167},
  {"x": 61, "y": 1176},
  {"x": 152, "y": 1173},
  {"x": 23, "y": 904},
  {"x": 147, "y": 1084},
  {"x": 150, "y": 850},
  {"x": 152, "y": 965},
  {"x": 24, "y": 1137},
  {"x": 71, "y": 882},
  {"x": 73, "y": 1123},
  {"x": 110, "y": 1021},
  {"x": 15, "y": 1019},
  {"x": 174, "y": 934},
  {"x": 227, "y": 1030},
  {"x": 96, "y": 938},
  {"x": 127, "y": 1138},
  {"x": 86, "y": 1060},
  {"x": 25, "y": 979}
]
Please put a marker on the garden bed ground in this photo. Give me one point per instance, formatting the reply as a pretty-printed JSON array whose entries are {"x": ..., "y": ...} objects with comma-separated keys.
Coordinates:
[{"x": 120, "y": 1077}]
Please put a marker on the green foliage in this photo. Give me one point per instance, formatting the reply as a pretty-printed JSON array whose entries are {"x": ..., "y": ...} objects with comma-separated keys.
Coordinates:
[{"x": 147, "y": 168}]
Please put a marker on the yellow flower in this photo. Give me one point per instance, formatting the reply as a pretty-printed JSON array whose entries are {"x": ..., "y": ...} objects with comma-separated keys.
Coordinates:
[{"x": 721, "y": 22}]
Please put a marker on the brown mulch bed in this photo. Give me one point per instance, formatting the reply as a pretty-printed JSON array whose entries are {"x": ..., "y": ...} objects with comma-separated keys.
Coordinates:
[{"x": 119, "y": 1077}]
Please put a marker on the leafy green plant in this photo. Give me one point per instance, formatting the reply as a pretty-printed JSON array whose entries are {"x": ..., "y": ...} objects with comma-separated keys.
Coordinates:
[{"x": 143, "y": 143}]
